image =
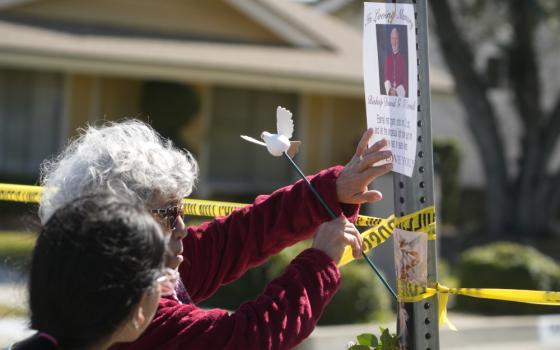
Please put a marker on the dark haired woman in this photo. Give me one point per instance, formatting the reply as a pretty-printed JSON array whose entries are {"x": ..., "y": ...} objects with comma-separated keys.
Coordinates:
[{"x": 96, "y": 275}]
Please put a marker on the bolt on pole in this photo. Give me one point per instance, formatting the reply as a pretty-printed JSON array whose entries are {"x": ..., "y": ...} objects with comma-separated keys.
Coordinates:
[{"x": 417, "y": 192}]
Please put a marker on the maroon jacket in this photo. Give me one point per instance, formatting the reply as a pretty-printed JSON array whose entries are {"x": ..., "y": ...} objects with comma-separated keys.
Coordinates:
[{"x": 220, "y": 251}]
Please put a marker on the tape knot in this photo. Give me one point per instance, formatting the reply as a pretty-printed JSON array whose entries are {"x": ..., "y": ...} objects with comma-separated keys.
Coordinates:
[{"x": 441, "y": 288}]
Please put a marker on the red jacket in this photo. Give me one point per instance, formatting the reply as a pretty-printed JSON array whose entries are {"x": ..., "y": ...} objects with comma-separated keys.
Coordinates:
[{"x": 222, "y": 250}]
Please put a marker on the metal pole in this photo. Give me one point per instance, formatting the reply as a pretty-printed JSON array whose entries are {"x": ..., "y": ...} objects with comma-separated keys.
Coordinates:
[{"x": 417, "y": 192}]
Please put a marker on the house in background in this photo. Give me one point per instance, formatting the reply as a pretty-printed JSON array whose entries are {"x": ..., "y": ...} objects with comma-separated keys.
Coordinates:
[{"x": 202, "y": 72}]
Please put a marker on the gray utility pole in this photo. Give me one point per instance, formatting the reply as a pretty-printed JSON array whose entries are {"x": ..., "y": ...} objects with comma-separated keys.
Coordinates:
[{"x": 417, "y": 192}]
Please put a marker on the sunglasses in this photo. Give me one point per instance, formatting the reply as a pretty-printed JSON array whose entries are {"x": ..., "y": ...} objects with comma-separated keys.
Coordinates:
[
  {"x": 166, "y": 281},
  {"x": 169, "y": 215}
]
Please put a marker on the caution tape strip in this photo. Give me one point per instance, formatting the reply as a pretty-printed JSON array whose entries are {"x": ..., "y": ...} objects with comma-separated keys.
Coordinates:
[
  {"x": 423, "y": 220},
  {"x": 380, "y": 229},
  {"x": 420, "y": 221},
  {"x": 409, "y": 293},
  {"x": 20, "y": 193},
  {"x": 195, "y": 207}
]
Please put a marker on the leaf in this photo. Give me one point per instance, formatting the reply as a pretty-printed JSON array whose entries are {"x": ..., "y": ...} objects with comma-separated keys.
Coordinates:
[
  {"x": 367, "y": 339},
  {"x": 385, "y": 337},
  {"x": 388, "y": 341},
  {"x": 359, "y": 347}
]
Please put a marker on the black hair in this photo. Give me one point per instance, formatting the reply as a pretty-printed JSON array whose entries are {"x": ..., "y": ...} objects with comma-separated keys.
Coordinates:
[{"x": 93, "y": 260}]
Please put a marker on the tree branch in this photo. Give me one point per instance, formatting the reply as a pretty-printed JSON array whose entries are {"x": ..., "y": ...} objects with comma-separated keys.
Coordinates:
[
  {"x": 472, "y": 91},
  {"x": 526, "y": 85},
  {"x": 553, "y": 199},
  {"x": 523, "y": 67},
  {"x": 551, "y": 133}
]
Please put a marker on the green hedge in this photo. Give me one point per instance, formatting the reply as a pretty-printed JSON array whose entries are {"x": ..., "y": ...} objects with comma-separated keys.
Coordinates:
[
  {"x": 447, "y": 161},
  {"x": 361, "y": 296},
  {"x": 510, "y": 266}
]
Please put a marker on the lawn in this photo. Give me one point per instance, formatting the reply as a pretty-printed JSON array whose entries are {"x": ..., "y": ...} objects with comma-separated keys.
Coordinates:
[
  {"x": 16, "y": 247},
  {"x": 10, "y": 311}
]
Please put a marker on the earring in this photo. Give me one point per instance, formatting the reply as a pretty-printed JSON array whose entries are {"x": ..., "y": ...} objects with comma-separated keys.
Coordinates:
[{"x": 135, "y": 325}]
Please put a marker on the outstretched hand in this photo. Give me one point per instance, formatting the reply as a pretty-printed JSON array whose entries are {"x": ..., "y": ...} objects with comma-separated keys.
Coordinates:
[
  {"x": 352, "y": 183},
  {"x": 333, "y": 236}
]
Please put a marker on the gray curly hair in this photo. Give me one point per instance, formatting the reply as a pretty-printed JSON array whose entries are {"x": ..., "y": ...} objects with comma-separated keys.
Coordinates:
[{"x": 128, "y": 159}]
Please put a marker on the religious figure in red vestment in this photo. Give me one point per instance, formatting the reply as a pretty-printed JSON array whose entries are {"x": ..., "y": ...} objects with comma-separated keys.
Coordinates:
[{"x": 395, "y": 70}]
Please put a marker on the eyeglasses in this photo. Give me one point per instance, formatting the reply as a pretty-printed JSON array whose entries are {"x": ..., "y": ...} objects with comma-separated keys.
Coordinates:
[
  {"x": 169, "y": 215},
  {"x": 166, "y": 281}
]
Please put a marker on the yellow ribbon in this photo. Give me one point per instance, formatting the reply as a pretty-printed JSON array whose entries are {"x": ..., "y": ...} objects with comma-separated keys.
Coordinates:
[
  {"x": 414, "y": 293},
  {"x": 421, "y": 221},
  {"x": 196, "y": 207}
]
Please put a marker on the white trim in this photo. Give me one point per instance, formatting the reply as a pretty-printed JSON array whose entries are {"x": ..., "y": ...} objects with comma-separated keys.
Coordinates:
[
  {"x": 6, "y": 4},
  {"x": 330, "y": 6},
  {"x": 272, "y": 21}
]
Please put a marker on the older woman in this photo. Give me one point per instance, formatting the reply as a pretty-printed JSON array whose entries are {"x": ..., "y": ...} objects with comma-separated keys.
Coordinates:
[
  {"x": 96, "y": 275},
  {"x": 133, "y": 161}
]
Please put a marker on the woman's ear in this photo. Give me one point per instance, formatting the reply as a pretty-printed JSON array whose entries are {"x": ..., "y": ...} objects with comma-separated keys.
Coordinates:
[
  {"x": 138, "y": 314},
  {"x": 134, "y": 325},
  {"x": 140, "y": 317},
  {"x": 146, "y": 308}
]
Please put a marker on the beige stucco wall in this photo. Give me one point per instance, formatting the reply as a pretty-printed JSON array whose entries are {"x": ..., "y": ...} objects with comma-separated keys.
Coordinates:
[
  {"x": 332, "y": 128},
  {"x": 119, "y": 98},
  {"x": 91, "y": 98},
  {"x": 78, "y": 99}
]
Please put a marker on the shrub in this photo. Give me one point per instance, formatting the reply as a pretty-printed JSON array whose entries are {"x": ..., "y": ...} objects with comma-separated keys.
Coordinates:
[
  {"x": 447, "y": 161},
  {"x": 509, "y": 266},
  {"x": 446, "y": 275},
  {"x": 361, "y": 296}
]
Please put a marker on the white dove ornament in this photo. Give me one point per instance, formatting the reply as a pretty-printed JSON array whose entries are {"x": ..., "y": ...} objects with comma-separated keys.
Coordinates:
[{"x": 279, "y": 143}]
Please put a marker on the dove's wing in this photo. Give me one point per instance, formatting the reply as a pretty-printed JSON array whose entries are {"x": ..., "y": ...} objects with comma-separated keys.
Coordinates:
[
  {"x": 250, "y": 139},
  {"x": 284, "y": 122}
]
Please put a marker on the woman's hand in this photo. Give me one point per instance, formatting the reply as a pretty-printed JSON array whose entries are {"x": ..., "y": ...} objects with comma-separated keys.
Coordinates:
[
  {"x": 333, "y": 236},
  {"x": 352, "y": 182}
]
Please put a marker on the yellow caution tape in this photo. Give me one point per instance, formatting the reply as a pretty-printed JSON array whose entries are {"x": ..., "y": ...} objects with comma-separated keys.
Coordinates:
[
  {"x": 196, "y": 207},
  {"x": 20, "y": 193},
  {"x": 200, "y": 207},
  {"x": 380, "y": 228},
  {"x": 408, "y": 292},
  {"x": 420, "y": 221},
  {"x": 369, "y": 221}
]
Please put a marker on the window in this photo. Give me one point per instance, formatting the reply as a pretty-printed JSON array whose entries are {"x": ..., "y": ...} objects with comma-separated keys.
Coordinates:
[{"x": 30, "y": 120}]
